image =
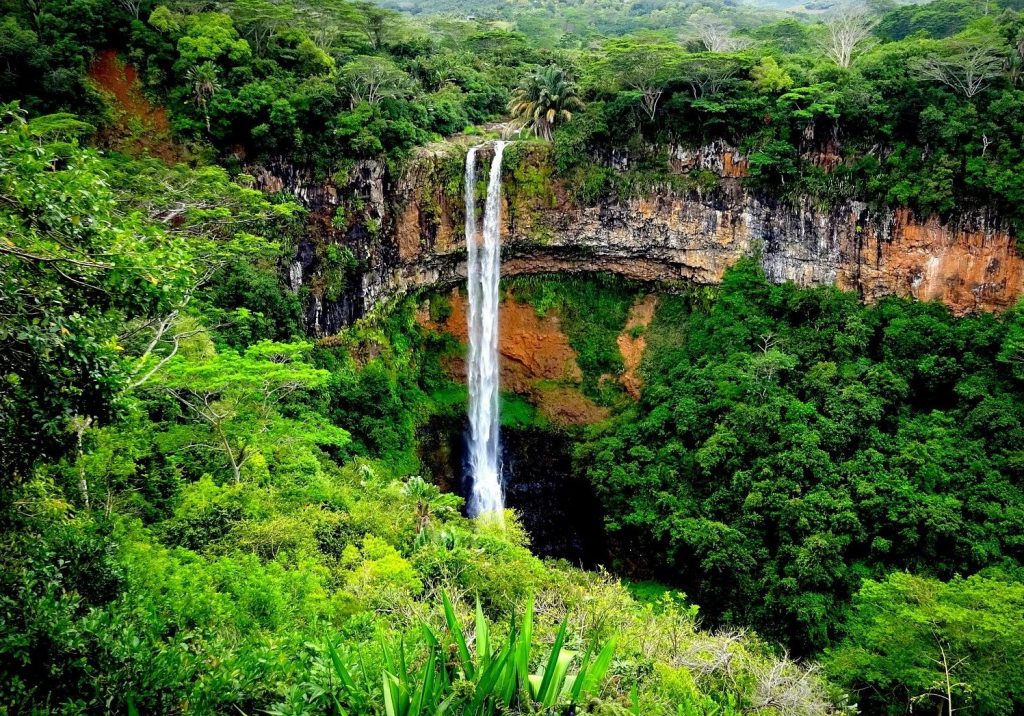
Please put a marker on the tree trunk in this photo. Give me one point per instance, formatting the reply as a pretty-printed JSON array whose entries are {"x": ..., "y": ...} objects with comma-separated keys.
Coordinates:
[{"x": 80, "y": 425}]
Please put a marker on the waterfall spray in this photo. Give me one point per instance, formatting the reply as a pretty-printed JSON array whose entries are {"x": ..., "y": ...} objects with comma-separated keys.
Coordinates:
[{"x": 484, "y": 269}]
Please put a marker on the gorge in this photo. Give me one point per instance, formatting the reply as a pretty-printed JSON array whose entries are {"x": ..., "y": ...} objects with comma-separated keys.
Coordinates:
[{"x": 506, "y": 358}]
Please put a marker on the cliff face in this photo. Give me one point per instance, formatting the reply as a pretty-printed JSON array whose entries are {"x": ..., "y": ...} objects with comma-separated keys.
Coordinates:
[
  {"x": 535, "y": 359},
  {"x": 410, "y": 235}
]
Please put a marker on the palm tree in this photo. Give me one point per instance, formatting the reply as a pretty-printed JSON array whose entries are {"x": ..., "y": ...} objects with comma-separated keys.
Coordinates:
[
  {"x": 543, "y": 100},
  {"x": 203, "y": 82}
]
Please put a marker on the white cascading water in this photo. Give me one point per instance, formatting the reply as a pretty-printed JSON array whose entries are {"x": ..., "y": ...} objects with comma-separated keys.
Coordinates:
[{"x": 484, "y": 268}]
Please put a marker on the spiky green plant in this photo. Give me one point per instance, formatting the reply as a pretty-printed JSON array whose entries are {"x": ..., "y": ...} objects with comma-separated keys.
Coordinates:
[{"x": 484, "y": 681}]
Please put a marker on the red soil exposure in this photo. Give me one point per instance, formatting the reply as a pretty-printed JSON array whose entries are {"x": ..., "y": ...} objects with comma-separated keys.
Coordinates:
[
  {"x": 536, "y": 360},
  {"x": 566, "y": 405},
  {"x": 139, "y": 127},
  {"x": 632, "y": 346}
]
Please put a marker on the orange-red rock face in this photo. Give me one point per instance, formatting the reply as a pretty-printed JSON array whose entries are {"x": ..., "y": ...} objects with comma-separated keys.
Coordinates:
[
  {"x": 532, "y": 348},
  {"x": 970, "y": 264},
  {"x": 966, "y": 268},
  {"x": 536, "y": 359}
]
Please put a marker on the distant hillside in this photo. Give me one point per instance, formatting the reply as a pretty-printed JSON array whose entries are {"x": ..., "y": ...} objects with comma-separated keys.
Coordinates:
[{"x": 547, "y": 21}]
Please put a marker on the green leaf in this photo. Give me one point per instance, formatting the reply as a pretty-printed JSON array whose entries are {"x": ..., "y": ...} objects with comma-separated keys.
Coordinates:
[{"x": 457, "y": 635}]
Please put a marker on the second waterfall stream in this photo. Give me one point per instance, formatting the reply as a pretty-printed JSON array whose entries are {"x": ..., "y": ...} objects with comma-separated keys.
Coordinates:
[{"x": 484, "y": 274}]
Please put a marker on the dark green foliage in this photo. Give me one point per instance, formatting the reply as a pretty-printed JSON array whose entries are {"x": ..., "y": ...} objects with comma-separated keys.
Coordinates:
[
  {"x": 53, "y": 574},
  {"x": 383, "y": 402},
  {"x": 340, "y": 266},
  {"x": 573, "y": 23},
  {"x": 270, "y": 79},
  {"x": 574, "y": 145},
  {"x": 339, "y": 82},
  {"x": 250, "y": 303},
  {"x": 792, "y": 442},
  {"x": 45, "y": 48},
  {"x": 880, "y": 131}
]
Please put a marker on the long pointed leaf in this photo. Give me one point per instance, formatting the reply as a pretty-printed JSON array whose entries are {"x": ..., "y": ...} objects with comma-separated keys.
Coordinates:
[
  {"x": 535, "y": 681},
  {"x": 403, "y": 668},
  {"x": 549, "y": 669},
  {"x": 558, "y": 677},
  {"x": 596, "y": 673},
  {"x": 429, "y": 636},
  {"x": 485, "y": 687},
  {"x": 523, "y": 647},
  {"x": 460, "y": 638},
  {"x": 422, "y": 694},
  {"x": 389, "y": 695},
  {"x": 576, "y": 686},
  {"x": 340, "y": 668},
  {"x": 483, "y": 643}
]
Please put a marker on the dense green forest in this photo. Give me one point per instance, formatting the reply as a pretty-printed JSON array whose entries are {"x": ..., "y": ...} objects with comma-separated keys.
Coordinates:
[{"x": 815, "y": 506}]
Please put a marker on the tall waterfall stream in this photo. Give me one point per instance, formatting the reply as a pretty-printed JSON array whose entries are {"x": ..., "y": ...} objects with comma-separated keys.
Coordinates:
[{"x": 484, "y": 272}]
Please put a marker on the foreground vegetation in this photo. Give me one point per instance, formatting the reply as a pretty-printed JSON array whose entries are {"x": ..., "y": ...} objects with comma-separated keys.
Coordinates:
[{"x": 206, "y": 514}]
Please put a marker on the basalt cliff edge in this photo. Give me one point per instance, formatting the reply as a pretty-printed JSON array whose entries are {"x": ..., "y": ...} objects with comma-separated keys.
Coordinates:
[{"x": 406, "y": 232}]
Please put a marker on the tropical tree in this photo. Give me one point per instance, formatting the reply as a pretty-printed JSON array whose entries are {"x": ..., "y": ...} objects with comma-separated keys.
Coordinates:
[
  {"x": 259, "y": 20},
  {"x": 118, "y": 248},
  {"x": 378, "y": 23},
  {"x": 132, "y": 6},
  {"x": 714, "y": 33},
  {"x": 967, "y": 69},
  {"x": 371, "y": 79},
  {"x": 238, "y": 398},
  {"x": 848, "y": 31},
  {"x": 203, "y": 83},
  {"x": 644, "y": 69},
  {"x": 945, "y": 646},
  {"x": 543, "y": 100}
]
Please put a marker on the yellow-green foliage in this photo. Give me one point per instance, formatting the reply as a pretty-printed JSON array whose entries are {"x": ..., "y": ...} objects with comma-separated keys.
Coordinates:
[
  {"x": 379, "y": 576},
  {"x": 529, "y": 168},
  {"x": 194, "y": 587}
]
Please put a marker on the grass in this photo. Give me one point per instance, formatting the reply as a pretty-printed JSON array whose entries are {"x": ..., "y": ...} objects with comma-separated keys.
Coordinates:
[{"x": 518, "y": 412}]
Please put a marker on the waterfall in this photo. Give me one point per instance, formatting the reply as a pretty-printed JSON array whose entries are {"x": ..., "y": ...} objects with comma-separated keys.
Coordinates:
[{"x": 484, "y": 269}]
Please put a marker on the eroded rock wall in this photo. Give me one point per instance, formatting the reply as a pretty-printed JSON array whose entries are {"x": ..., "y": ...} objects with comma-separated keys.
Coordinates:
[
  {"x": 409, "y": 234},
  {"x": 535, "y": 358}
]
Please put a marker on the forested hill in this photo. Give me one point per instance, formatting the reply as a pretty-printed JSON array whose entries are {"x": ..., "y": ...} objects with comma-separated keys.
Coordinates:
[
  {"x": 207, "y": 511},
  {"x": 914, "y": 106},
  {"x": 574, "y": 22}
]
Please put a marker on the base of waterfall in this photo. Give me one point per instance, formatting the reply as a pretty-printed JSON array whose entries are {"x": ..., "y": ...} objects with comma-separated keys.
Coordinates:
[{"x": 556, "y": 505}]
